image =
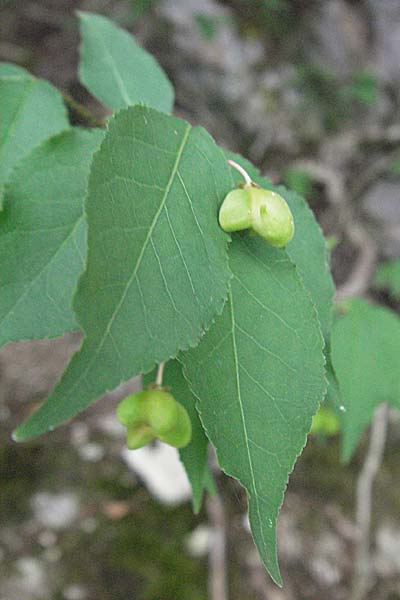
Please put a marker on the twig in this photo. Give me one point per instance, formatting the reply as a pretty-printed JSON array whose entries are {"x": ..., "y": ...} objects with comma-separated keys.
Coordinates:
[
  {"x": 217, "y": 578},
  {"x": 372, "y": 462},
  {"x": 333, "y": 182},
  {"x": 339, "y": 197},
  {"x": 82, "y": 111},
  {"x": 242, "y": 171},
  {"x": 160, "y": 372},
  {"x": 364, "y": 267}
]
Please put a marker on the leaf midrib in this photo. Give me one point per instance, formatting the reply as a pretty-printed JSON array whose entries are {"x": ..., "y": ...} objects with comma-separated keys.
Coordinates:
[
  {"x": 242, "y": 414},
  {"x": 118, "y": 78},
  {"x": 40, "y": 273},
  {"x": 17, "y": 114},
  {"x": 140, "y": 257}
]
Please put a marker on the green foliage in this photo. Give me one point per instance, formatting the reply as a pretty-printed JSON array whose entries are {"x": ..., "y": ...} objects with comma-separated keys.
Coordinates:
[
  {"x": 157, "y": 269},
  {"x": 247, "y": 321},
  {"x": 265, "y": 379},
  {"x": 277, "y": 19},
  {"x": 31, "y": 110},
  {"x": 307, "y": 249},
  {"x": 321, "y": 88},
  {"x": 194, "y": 455},
  {"x": 394, "y": 166},
  {"x": 363, "y": 88},
  {"x": 9, "y": 69},
  {"x": 388, "y": 277},
  {"x": 207, "y": 25},
  {"x": 154, "y": 413},
  {"x": 337, "y": 102},
  {"x": 117, "y": 71},
  {"x": 366, "y": 359},
  {"x": 141, "y": 7},
  {"x": 299, "y": 181},
  {"x": 43, "y": 223}
]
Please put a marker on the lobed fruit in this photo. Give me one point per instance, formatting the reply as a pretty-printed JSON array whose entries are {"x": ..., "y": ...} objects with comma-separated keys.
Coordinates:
[{"x": 152, "y": 414}]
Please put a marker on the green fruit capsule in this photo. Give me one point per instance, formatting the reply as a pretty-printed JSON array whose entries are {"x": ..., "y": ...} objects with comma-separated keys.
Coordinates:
[
  {"x": 138, "y": 436},
  {"x": 235, "y": 213},
  {"x": 263, "y": 211},
  {"x": 154, "y": 414},
  {"x": 271, "y": 217}
]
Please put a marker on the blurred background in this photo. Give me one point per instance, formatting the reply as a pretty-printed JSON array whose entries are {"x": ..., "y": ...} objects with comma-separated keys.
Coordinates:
[{"x": 309, "y": 90}]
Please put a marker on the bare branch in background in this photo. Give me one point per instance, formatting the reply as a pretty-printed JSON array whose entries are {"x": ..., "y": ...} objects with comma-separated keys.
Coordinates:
[
  {"x": 364, "y": 267},
  {"x": 340, "y": 198},
  {"x": 357, "y": 284},
  {"x": 217, "y": 569},
  {"x": 372, "y": 463}
]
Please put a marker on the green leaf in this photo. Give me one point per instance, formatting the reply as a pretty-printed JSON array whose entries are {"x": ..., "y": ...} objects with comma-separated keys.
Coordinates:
[
  {"x": 299, "y": 181},
  {"x": 364, "y": 88},
  {"x": 31, "y": 110},
  {"x": 265, "y": 379},
  {"x": 388, "y": 276},
  {"x": 157, "y": 270},
  {"x": 43, "y": 237},
  {"x": 117, "y": 71},
  {"x": 307, "y": 249},
  {"x": 366, "y": 359},
  {"x": 10, "y": 69},
  {"x": 193, "y": 456},
  {"x": 333, "y": 399}
]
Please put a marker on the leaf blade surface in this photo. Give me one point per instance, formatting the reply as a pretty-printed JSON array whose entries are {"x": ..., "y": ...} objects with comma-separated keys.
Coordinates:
[
  {"x": 265, "y": 379},
  {"x": 157, "y": 264},
  {"x": 31, "y": 110},
  {"x": 43, "y": 237},
  {"x": 366, "y": 359},
  {"x": 118, "y": 71},
  {"x": 307, "y": 249}
]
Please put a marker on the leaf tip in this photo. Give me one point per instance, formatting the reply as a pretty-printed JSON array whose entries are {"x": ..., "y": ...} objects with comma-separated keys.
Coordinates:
[{"x": 17, "y": 435}]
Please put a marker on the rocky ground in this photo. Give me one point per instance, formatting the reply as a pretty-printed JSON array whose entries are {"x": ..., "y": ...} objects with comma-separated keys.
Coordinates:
[{"x": 310, "y": 91}]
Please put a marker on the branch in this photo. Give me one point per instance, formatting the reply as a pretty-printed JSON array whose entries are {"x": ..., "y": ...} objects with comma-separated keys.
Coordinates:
[
  {"x": 363, "y": 270},
  {"x": 160, "y": 373},
  {"x": 81, "y": 111},
  {"x": 340, "y": 198},
  {"x": 366, "y": 478},
  {"x": 217, "y": 579}
]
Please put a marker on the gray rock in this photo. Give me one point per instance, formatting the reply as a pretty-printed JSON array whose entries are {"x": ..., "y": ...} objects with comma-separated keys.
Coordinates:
[{"x": 55, "y": 511}]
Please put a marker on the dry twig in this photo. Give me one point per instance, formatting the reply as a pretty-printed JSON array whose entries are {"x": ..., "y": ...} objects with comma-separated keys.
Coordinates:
[
  {"x": 372, "y": 462},
  {"x": 217, "y": 579}
]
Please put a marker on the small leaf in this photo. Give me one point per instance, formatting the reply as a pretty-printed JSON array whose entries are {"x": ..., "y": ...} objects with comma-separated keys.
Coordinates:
[
  {"x": 307, "y": 249},
  {"x": 194, "y": 456},
  {"x": 10, "y": 69},
  {"x": 265, "y": 379},
  {"x": 388, "y": 276},
  {"x": 116, "y": 70},
  {"x": 157, "y": 270},
  {"x": 31, "y": 110},
  {"x": 43, "y": 237},
  {"x": 366, "y": 359}
]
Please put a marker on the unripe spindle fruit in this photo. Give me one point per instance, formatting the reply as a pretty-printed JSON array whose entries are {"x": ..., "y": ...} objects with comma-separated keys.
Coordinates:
[
  {"x": 271, "y": 217},
  {"x": 264, "y": 211},
  {"x": 252, "y": 207},
  {"x": 154, "y": 414}
]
